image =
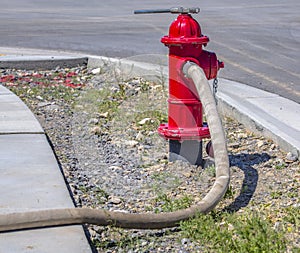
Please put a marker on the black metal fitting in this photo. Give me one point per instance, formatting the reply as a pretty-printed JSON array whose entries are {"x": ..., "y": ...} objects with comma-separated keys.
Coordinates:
[{"x": 173, "y": 10}]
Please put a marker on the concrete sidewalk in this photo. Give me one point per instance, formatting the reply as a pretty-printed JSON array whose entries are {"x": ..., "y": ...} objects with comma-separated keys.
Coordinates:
[{"x": 31, "y": 178}]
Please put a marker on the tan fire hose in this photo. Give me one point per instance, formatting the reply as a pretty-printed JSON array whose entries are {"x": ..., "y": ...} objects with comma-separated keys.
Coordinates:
[{"x": 72, "y": 216}]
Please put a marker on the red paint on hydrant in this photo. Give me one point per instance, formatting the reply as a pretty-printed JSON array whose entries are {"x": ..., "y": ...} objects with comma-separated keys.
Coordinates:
[{"x": 185, "y": 41}]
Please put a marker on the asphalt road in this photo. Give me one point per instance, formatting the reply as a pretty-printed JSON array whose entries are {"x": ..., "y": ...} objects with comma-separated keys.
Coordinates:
[{"x": 259, "y": 41}]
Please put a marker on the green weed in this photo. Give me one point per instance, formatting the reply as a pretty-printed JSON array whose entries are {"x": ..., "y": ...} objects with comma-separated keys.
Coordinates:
[
  {"x": 101, "y": 101},
  {"x": 211, "y": 171},
  {"x": 229, "y": 193},
  {"x": 163, "y": 181},
  {"x": 166, "y": 204},
  {"x": 242, "y": 233},
  {"x": 276, "y": 194},
  {"x": 280, "y": 166},
  {"x": 292, "y": 215},
  {"x": 156, "y": 117}
]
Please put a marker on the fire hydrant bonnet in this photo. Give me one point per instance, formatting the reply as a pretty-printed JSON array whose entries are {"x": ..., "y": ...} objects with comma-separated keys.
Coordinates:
[{"x": 185, "y": 30}]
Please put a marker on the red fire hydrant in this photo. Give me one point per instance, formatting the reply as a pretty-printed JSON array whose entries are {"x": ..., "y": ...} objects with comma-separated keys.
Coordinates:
[{"x": 185, "y": 128}]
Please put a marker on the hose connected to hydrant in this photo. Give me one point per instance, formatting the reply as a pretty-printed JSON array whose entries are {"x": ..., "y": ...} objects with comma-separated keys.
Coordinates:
[{"x": 73, "y": 216}]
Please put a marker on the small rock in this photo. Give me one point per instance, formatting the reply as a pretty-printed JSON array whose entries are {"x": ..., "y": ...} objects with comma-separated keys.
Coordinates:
[
  {"x": 234, "y": 145},
  {"x": 290, "y": 157},
  {"x": 121, "y": 211},
  {"x": 144, "y": 243},
  {"x": 93, "y": 233},
  {"x": 139, "y": 136},
  {"x": 95, "y": 130},
  {"x": 260, "y": 144},
  {"x": 114, "y": 200},
  {"x": 117, "y": 168},
  {"x": 222, "y": 223},
  {"x": 96, "y": 71},
  {"x": 131, "y": 143},
  {"x": 144, "y": 121},
  {"x": 52, "y": 107},
  {"x": 185, "y": 241},
  {"x": 93, "y": 121},
  {"x": 197, "y": 199},
  {"x": 277, "y": 226},
  {"x": 103, "y": 115},
  {"x": 39, "y": 98},
  {"x": 43, "y": 104},
  {"x": 230, "y": 227},
  {"x": 157, "y": 87},
  {"x": 242, "y": 135},
  {"x": 79, "y": 107},
  {"x": 102, "y": 199},
  {"x": 297, "y": 205},
  {"x": 187, "y": 174}
]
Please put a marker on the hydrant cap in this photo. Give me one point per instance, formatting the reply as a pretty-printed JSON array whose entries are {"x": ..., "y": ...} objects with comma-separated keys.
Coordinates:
[{"x": 184, "y": 30}]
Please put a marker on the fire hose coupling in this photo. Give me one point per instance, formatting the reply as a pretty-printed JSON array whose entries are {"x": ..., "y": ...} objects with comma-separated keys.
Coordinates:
[{"x": 173, "y": 10}]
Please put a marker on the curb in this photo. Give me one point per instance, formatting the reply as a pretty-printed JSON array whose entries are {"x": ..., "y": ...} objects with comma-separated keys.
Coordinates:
[
  {"x": 41, "y": 62},
  {"x": 249, "y": 110},
  {"x": 255, "y": 117},
  {"x": 256, "y": 120}
]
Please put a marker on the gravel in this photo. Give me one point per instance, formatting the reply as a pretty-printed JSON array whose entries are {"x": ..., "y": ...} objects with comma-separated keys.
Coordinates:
[{"x": 113, "y": 158}]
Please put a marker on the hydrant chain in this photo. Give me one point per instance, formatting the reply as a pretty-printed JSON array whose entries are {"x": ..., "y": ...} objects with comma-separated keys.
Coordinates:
[{"x": 215, "y": 89}]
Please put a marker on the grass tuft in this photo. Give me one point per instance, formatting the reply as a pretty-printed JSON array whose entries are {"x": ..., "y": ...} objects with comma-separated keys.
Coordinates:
[{"x": 239, "y": 232}]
